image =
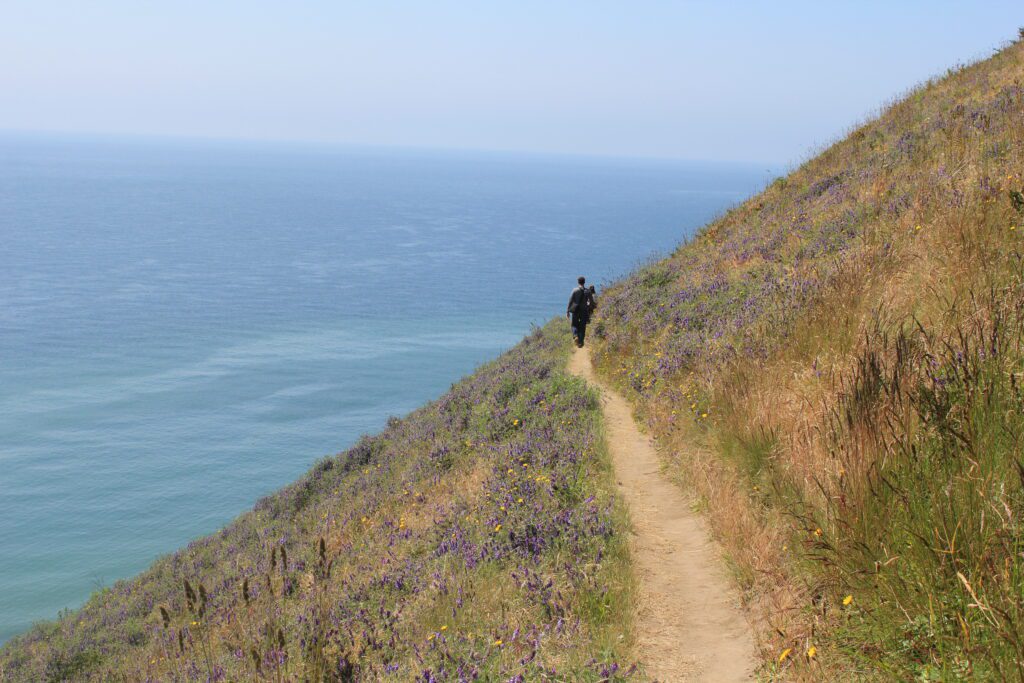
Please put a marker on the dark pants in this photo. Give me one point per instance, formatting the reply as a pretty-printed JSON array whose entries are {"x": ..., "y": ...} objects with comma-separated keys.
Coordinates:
[{"x": 579, "y": 328}]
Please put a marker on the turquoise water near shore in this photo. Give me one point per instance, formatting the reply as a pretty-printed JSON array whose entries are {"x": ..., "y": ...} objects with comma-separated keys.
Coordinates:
[{"x": 187, "y": 325}]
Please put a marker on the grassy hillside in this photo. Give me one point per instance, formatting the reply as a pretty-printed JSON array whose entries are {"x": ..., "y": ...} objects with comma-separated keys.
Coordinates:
[
  {"x": 474, "y": 539},
  {"x": 836, "y": 366}
]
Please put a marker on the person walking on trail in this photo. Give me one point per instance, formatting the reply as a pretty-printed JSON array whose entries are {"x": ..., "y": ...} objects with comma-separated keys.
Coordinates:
[{"x": 582, "y": 303}]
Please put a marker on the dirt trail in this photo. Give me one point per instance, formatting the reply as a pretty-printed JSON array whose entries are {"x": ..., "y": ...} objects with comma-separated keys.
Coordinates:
[{"x": 689, "y": 623}]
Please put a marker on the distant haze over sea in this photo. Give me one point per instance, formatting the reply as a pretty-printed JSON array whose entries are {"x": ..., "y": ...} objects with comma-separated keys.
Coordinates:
[{"x": 186, "y": 326}]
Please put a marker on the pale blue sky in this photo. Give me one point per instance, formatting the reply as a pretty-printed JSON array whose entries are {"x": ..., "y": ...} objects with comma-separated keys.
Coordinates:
[{"x": 758, "y": 81}]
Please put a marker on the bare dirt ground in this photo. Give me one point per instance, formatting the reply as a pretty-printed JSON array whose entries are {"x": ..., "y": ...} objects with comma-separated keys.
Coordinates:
[{"x": 689, "y": 623}]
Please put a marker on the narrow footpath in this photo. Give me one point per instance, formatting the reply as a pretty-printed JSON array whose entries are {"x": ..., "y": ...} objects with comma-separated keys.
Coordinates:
[{"x": 689, "y": 623}]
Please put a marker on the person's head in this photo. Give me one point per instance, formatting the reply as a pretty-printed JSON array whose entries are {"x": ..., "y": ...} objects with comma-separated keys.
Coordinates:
[
  {"x": 593, "y": 289},
  {"x": 582, "y": 280}
]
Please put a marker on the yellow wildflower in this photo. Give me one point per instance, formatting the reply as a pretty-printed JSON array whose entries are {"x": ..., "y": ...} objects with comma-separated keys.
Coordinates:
[
  {"x": 511, "y": 471},
  {"x": 515, "y": 422},
  {"x": 497, "y": 527},
  {"x": 498, "y": 642},
  {"x": 847, "y": 600},
  {"x": 817, "y": 532},
  {"x": 445, "y": 627},
  {"x": 785, "y": 654},
  {"x": 812, "y": 652},
  {"x": 519, "y": 500}
]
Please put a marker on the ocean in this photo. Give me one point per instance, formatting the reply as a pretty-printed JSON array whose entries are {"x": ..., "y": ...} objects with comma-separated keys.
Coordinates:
[{"x": 187, "y": 325}]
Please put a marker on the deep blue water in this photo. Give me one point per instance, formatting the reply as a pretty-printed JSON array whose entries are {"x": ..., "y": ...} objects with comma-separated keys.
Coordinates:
[{"x": 187, "y": 326}]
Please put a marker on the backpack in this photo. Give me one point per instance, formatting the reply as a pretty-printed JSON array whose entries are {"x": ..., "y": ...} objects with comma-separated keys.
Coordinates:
[{"x": 579, "y": 301}]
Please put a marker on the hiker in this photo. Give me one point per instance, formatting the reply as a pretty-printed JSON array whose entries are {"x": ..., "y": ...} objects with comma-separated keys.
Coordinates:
[{"x": 582, "y": 303}]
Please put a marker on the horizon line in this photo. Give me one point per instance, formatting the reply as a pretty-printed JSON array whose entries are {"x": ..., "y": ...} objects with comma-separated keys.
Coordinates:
[{"x": 771, "y": 166}]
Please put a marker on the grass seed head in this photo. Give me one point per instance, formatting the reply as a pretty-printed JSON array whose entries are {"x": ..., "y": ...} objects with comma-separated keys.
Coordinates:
[{"x": 190, "y": 596}]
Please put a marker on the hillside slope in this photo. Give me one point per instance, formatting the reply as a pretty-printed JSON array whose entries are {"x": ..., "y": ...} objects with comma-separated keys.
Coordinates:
[
  {"x": 835, "y": 366},
  {"x": 475, "y": 538}
]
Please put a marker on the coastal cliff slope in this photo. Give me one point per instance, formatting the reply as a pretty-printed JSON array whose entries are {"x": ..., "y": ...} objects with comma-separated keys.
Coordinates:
[
  {"x": 474, "y": 538},
  {"x": 835, "y": 367}
]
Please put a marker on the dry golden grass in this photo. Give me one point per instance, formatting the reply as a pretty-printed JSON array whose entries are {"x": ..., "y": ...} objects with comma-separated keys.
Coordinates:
[{"x": 780, "y": 463}]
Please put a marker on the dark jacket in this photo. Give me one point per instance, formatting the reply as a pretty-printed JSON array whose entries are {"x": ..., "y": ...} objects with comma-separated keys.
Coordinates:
[{"x": 581, "y": 303}]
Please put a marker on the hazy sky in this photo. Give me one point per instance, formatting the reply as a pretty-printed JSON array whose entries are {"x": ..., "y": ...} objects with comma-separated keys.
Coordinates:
[{"x": 759, "y": 81}]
